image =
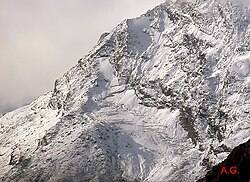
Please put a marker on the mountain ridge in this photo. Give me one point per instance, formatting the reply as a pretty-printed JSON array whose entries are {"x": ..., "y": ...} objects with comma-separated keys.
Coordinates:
[{"x": 162, "y": 97}]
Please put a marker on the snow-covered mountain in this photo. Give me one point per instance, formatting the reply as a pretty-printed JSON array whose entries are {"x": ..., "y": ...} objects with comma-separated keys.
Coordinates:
[{"x": 162, "y": 97}]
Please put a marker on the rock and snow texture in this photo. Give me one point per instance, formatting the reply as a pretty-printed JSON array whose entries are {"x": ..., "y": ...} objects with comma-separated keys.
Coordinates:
[
  {"x": 240, "y": 159},
  {"x": 162, "y": 97}
]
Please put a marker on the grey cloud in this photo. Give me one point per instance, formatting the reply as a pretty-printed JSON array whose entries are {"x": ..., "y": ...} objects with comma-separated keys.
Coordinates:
[{"x": 40, "y": 40}]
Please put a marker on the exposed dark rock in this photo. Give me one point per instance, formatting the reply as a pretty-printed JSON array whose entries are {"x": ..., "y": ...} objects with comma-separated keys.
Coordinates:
[{"x": 237, "y": 162}]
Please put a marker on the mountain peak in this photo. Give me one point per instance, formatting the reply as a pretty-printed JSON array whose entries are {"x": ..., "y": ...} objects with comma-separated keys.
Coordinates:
[{"x": 162, "y": 97}]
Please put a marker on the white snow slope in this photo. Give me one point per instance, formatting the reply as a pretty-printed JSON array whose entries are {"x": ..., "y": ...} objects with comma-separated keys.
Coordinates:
[{"x": 162, "y": 97}]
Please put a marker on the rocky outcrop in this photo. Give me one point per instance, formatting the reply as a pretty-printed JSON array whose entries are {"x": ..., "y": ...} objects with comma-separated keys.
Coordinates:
[{"x": 236, "y": 167}]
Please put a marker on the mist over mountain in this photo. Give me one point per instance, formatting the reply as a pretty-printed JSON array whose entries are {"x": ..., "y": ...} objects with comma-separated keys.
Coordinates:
[
  {"x": 51, "y": 35},
  {"x": 162, "y": 97}
]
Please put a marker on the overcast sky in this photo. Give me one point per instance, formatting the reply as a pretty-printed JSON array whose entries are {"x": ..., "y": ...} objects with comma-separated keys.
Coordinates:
[{"x": 42, "y": 39}]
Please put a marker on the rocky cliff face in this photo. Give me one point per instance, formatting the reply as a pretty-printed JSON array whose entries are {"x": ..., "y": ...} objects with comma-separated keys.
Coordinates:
[
  {"x": 236, "y": 167},
  {"x": 162, "y": 97}
]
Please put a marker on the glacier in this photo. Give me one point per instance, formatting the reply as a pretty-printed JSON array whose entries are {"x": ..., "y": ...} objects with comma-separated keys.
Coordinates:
[{"x": 161, "y": 97}]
